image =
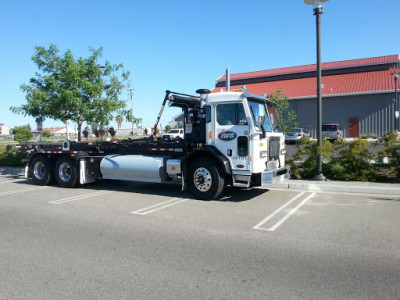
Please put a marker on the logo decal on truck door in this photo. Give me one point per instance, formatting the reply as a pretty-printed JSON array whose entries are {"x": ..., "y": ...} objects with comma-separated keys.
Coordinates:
[{"x": 227, "y": 135}]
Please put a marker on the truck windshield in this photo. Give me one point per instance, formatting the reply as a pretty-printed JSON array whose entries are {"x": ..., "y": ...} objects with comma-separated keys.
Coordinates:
[
  {"x": 260, "y": 115},
  {"x": 273, "y": 114}
]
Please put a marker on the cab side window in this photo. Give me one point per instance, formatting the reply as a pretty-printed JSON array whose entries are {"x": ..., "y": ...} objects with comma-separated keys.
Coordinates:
[{"x": 231, "y": 114}]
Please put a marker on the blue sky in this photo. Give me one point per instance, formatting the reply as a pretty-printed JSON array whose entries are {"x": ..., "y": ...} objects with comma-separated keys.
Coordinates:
[{"x": 183, "y": 45}]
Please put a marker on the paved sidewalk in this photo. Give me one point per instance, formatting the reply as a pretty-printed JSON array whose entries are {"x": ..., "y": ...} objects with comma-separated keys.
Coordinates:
[{"x": 327, "y": 186}]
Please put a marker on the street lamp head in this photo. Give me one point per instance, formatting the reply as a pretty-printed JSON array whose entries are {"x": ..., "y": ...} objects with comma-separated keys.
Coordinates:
[
  {"x": 396, "y": 75},
  {"x": 316, "y": 3}
]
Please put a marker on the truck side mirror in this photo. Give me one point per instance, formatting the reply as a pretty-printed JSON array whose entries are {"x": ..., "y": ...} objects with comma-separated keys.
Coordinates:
[
  {"x": 243, "y": 121},
  {"x": 261, "y": 120}
]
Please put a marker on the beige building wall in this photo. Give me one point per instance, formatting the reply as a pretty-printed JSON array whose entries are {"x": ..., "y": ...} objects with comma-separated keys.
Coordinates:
[{"x": 4, "y": 129}]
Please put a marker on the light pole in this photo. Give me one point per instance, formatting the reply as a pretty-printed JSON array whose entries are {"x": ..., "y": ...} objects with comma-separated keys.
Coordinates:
[
  {"x": 318, "y": 10},
  {"x": 396, "y": 105}
]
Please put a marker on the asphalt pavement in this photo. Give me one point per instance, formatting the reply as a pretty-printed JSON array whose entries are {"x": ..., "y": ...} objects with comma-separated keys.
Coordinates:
[{"x": 124, "y": 240}]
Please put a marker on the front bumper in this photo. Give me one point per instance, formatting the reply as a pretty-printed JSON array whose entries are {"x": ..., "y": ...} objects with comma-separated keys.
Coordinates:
[{"x": 270, "y": 177}]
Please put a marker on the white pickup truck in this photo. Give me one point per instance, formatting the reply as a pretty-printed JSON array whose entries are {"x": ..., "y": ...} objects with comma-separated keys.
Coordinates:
[{"x": 174, "y": 133}]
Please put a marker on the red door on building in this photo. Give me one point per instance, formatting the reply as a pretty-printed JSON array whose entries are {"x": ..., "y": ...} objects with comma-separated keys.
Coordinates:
[{"x": 353, "y": 127}]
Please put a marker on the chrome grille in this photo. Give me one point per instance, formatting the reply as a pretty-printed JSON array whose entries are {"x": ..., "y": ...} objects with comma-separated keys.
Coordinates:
[{"x": 274, "y": 147}]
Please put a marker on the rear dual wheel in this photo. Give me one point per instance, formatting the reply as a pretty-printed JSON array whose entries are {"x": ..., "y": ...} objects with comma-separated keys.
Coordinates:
[
  {"x": 66, "y": 172},
  {"x": 41, "y": 169}
]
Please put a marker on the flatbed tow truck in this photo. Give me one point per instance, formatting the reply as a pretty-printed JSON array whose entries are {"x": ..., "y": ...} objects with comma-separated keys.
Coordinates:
[{"x": 230, "y": 138}]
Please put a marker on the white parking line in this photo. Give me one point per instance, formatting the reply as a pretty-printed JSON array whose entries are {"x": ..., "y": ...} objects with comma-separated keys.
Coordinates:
[
  {"x": 22, "y": 191},
  {"x": 158, "y": 206},
  {"x": 79, "y": 197},
  {"x": 258, "y": 226},
  {"x": 287, "y": 216}
]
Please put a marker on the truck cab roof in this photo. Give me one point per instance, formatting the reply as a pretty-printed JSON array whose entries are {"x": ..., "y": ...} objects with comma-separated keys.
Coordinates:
[{"x": 229, "y": 96}]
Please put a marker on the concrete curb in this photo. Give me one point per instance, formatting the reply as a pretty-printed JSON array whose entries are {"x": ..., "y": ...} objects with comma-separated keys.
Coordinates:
[{"x": 341, "y": 187}]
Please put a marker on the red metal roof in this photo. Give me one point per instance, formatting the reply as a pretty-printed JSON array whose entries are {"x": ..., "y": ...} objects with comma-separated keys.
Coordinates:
[
  {"x": 363, "y": 82},
  {"x": 51, "y": 129},
  {"x": 324, "y": 66}
]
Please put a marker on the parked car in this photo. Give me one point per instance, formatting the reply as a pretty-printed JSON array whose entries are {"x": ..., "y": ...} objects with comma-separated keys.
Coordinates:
[
  {"x": 295, "y": 134},
  {"x": 332, "y": 131},
  {"x": 173, "y": 134}
]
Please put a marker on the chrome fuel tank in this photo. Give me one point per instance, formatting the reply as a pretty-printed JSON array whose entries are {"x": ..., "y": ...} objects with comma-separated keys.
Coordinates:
[{"x": 134, "y": 168}]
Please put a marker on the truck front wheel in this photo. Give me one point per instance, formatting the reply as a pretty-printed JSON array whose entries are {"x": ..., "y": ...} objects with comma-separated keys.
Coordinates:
[
  {"x": 206, "y": 179},
  {"x": 41, "y": 170},
  {"x": 66, "y": 172}
]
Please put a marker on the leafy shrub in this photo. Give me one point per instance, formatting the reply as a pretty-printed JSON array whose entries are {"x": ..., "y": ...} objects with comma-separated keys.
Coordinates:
[
  {"x": 22, "y": 134},
  {"x": 341, "y": 160},
  {"x": 98, "y": 132},
  {"x": 112, "y": 131},
  {"x": 304, "y": 163},
  {"x": 12, "y": 156},
  {"x": 46, "y": 133},
  {"x": 85, "y": 133},
  {"x": 392, "y": 150},
  {"x": 353, "y": 162}
]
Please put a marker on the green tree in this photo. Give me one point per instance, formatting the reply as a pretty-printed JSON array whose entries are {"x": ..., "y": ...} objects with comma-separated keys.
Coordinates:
[
  {"x": 46, "y": 133},
  {"x": 127, "y": 113},
  {"x": 79, "y": 90},
  {"x": 22, "y": 134},
  {"x": 287, "y": 116},
  {"x": 119, "y": 120},
  {"x": 167, "y": 128}
]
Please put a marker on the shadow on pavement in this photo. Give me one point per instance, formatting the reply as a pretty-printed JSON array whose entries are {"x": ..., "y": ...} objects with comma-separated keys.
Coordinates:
[{"x": 172, "y": 189}]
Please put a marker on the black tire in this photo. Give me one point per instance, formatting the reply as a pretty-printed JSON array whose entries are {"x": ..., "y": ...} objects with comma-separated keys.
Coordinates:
[
  {"x": 41, "y": 170},
  {"x": 206, "y": 179},
  {"x": 66, "y": 172}
]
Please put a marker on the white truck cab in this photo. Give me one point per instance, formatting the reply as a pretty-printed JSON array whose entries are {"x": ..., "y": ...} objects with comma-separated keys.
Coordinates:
[{"x": 245, "y": 128}]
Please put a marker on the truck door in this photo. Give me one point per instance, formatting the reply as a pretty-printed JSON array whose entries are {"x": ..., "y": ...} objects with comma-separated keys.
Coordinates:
[{"x": 232, "y": 134}]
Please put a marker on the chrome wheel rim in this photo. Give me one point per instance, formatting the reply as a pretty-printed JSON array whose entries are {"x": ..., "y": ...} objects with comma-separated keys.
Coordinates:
[
  {"x": 39, "y": 170},
  {"x": 202, "y": 179},
  {"x": 64, "y": 171}
]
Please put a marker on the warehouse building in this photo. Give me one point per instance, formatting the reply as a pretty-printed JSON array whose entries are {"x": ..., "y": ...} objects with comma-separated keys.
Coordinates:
[{"x": 358, "y": 94}]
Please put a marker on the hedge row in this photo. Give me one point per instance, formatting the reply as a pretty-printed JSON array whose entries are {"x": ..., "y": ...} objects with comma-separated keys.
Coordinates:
[
  {"x": 12, "y": 156},
  {"x": 344, "y": 160}
]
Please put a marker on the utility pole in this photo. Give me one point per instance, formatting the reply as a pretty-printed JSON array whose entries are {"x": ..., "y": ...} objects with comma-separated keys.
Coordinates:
[{"x": 133, "y": 120}]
